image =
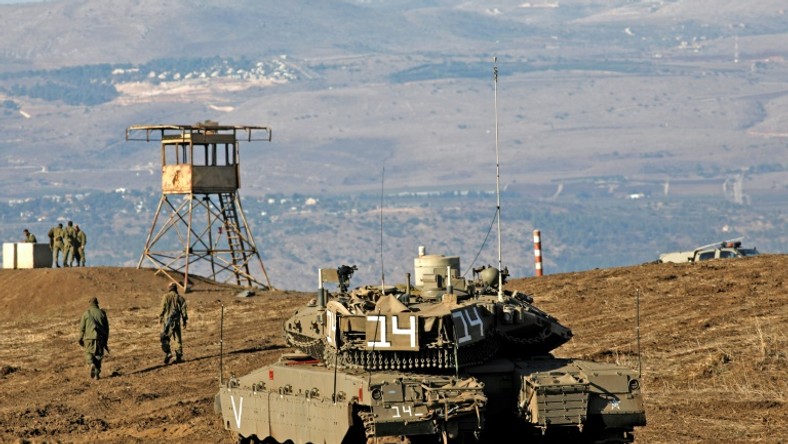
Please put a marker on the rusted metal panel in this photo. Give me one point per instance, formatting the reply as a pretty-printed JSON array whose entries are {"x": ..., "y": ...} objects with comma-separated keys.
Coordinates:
[
  {"x": 184, "y": 179},
  {"x": 176, "y": 179}
]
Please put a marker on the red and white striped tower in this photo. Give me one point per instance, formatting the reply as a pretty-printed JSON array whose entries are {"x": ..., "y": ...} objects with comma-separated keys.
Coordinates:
[{"x": 538, "y": 252}]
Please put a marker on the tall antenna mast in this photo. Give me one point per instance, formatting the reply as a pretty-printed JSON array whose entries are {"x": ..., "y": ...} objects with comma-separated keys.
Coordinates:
[
  {"x": 382, "y": 270},
  {"x": 498, "y": 182}
]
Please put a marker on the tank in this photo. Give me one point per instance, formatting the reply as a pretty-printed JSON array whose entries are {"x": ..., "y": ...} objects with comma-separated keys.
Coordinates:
[{"x": 439, "y": 360}]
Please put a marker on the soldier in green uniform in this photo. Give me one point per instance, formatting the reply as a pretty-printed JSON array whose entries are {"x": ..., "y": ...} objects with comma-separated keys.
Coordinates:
[
  {"x": 56, "y": 243},
  {"x": 29, "y": 237},
  {"x": 93, "y": 336},
  {"x": 173, "y": 312},
  {"x": 80, "y": 240},
  {"x": 69, "y": 239}
]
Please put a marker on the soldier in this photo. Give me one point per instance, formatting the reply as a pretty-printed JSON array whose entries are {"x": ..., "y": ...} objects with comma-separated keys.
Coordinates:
[
  {"x": 56, "y": 243},
  {"x": 173, "y": 312},
  {"x": 29, "y": 237},
  {"x": 69, "y": 239},
  {"x": 93, "y": 336},
  {"x": 79, "y": 243}
]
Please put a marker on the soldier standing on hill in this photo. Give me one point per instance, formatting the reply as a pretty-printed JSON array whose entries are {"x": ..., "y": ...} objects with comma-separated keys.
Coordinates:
[
  {"x": 29, "y": 237},
  {"x": 56, "y": 243},
  {"x": 69, "y": 239},
  {"x": 80, "y": 240},
  {"x": 173, "y": 312},
  {"x": 93, "y": 336}
]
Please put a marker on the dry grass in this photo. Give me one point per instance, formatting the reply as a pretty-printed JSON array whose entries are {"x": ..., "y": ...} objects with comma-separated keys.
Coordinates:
[{"x": 714, "y": 362}]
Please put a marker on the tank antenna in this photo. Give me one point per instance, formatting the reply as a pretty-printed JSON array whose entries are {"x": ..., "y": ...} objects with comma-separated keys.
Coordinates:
[
  {"x": 382, "y": 273},
  {"x": 637, "y": 332},
  {"x": 336, "y": 356},
  {"x": 497, "y": 181},
  {"x": 221, "y": 346},
  {"x": 336, "y": 362}
]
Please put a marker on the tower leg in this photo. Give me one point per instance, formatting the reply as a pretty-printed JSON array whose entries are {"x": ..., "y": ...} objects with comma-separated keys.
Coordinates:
[
  {"x": 224, "y": 257},
  {"x": 150, "y": 233}
]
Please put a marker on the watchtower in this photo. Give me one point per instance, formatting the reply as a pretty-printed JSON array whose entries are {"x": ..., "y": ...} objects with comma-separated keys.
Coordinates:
[{"x": 199, "y": 225}]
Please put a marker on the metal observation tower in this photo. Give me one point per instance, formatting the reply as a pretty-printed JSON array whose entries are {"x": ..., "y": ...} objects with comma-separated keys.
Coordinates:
[{"x": 199, "y": 226}]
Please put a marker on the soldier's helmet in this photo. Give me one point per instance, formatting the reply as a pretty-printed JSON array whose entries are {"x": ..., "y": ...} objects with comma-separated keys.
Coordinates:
[
  {"x": 93, "y": 301},
  {"x": 172, "y": 286}
]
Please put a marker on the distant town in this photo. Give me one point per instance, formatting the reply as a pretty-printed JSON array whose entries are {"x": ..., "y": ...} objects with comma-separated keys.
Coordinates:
[{"x": 299, "y": 233}]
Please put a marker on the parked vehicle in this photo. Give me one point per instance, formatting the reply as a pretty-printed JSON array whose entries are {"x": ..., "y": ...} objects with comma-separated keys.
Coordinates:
[{"x": 718, "y": 250}]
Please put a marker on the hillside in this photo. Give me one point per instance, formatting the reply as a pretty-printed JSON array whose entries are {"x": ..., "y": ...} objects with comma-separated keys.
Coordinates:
[
  {"x": 589, "y": 89},
  {"x": 713, "y": 348}
]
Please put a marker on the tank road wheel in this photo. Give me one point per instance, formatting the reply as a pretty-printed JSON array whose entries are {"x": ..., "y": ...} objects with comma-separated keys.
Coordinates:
[
  {"x": 388, "y": 440},
  {"x": 588, "y": 436},
  {"x": 245, "y": 440},
  {"x": 610, "y": 436},
  {"x": 463, "y": 438},
  {"x": 255, "y": 440}
]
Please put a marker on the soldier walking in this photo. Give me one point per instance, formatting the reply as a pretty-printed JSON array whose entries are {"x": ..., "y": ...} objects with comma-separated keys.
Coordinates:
[
  {"x": 29, "y": 237},
  {"x": 173, "y": 312},
  {"x": 56, "y": 244},
  {"x": 93, "y": 336},
  {"x": 79, "y": 243}
]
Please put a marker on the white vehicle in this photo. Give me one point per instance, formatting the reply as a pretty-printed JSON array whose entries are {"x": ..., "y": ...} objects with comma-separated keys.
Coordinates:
[{"x": 718, "y": 250}]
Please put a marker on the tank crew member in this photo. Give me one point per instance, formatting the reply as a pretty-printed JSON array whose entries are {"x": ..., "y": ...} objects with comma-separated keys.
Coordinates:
[
  {"x": 93, "y": 336},
  {"x": 56, "y": 243},
  {"x": 29, "y": 237},
  {"x": 173, "y": 312},
  {"x": 69, "y": 239},
  {"x": 79, "y": 243}
]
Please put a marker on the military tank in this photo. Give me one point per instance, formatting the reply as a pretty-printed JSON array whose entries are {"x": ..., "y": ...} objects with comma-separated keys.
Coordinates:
[{"x": 443, "y": 360}]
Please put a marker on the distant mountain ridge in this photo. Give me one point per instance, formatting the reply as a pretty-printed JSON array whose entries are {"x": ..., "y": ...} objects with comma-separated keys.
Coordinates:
[
  {"x": 89, "y": 31},
  {"x": 73, "y": 32}
]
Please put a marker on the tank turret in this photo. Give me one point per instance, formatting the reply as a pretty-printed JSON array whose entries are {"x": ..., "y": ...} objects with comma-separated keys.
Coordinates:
[{"x": 441, "y": 322}]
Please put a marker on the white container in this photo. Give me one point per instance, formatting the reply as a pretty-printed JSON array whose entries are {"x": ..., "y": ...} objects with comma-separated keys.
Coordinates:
[{"x": 23, "y": 255}]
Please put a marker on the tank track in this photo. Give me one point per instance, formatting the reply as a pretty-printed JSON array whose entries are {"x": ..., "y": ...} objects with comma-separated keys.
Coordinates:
[
  {"x": 368, "y": 419},
  {"x": 355, "y": 357}
]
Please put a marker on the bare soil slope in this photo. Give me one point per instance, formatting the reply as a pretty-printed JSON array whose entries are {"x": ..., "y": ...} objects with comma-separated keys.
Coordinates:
[{"x": 713, "y": 340}]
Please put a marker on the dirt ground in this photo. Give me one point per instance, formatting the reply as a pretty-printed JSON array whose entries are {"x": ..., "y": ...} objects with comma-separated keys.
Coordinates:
[{"x": 713, "y": 342}]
